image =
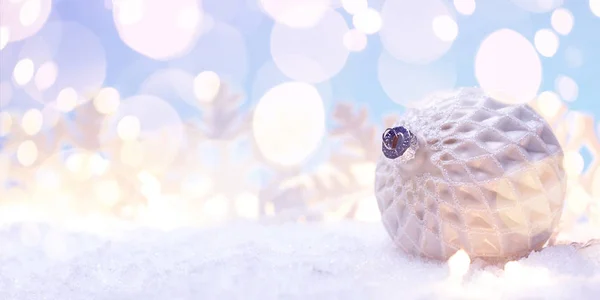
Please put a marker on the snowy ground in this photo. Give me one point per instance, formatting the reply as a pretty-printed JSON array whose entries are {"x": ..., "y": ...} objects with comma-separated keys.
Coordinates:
[{"x": 249, "y": 261}]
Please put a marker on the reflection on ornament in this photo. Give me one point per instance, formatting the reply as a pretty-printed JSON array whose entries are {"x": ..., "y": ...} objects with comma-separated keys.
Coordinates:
[{"x": 487, "y": 178}]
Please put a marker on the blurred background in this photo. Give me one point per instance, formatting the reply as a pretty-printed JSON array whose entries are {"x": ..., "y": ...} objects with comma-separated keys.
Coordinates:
[{"x": 193, "y": 112}]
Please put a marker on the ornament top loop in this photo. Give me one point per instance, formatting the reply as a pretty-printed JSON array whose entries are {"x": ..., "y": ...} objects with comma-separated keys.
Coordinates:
[{"x": 399, "y": 142}]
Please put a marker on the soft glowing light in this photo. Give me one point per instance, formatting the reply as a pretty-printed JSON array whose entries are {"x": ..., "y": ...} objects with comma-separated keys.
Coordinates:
[
  {"x": 367, "y": 21},
  {"x": 130, "y": 11},
  {"x": 562, "y": 21},
  {"x": 364, "y": 173},
  {"x": 107, "y": 101},
  {"x": 27, "y": 153},
  {"x": 107, "y": 192},
  {"x": 76, "y": 164},
  {"x": 595, "y": 7},
  {"x": 206, "y": 86},
  {"x": 24, "y": 18},
  {"x": 368, "y": 211},
  {"x": 71, "y": 57},
  {"x": 573, "y": 163},
  {"x": 566, "y": 87},
  {"x": 407, "y": 31},
  {"x": 221, "y": 50},
  {"x": 538, "y": 6},
  {"x": 549, "y": 104},
  {"x": 23, "y": 71},
  {"x": 596, "y": 183},
  {"x": 32, "y": 121},
  {"x": 151, "y": 130},
  {"x": 355, "y": 40},
  {"x": 151, "y": 187},
  {"x": 98, "y": 165},
  {"x": 129, "y": 128},
  {"x": 445, "y": 28},
  {"x": 84, "y": 164},
  {"x": 459, "y": 264},
  {"x": 296, "y": 14},
  {"x": 45, "y": 76},
  {"x": 465, "y": 7},
  {"x": 546, "y": 42},
  {"x": 313, "y": 54},
  {"x": 132, "y": 153},
  {"x": 173, "y": 24},
  {"x": 67, "y": 99},
  {"x": 47, "y": 178},
  {"x": 577, "y": 199},
  {"x": 188, "y": 19},
  {"x": 575, "y": 121},
  {"x": 30, "y": 12},
  {"x": 354, "y": 6},
  {"x": 246, "y": 205},
  {"x": 216, "y": 208},
  {"x": 289, "y": 122},
  {"x": 193, "y": 186},
  {"x": 506, "y": 63},
  {"x": 4, "y": 36}
]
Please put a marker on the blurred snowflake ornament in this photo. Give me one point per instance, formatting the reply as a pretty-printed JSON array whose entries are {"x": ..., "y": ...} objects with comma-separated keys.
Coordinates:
[{"x": 479, "y": 175}]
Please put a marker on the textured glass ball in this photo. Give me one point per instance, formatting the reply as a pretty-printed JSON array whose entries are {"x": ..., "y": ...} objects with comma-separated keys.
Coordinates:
[{"x": 483, "y": 176}]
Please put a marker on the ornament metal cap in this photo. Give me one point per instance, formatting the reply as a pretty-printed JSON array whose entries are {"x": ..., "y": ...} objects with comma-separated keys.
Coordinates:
[{"x": 399, "y": 142}]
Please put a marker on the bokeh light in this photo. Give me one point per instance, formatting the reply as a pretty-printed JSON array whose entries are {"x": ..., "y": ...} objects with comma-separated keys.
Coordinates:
[
  {"x": 206, "y": 86},
  {"x": 222, "y": 50},
  {"x": 23, "y": 71},
  {"x": 507, "y": 65},
  {"x": 546, "y": 42},
  {"x": 45, "y": 76},
  {"x": 595, "y": 7},
  {"x": 355, "y": 40},
  {"x": 407, "y": 31},
  {"x": 32, "y": 121},
  {"x": 194, "y": 111},
  {"x": 562, "y": 21},
  {"x": 538, "y": 6},
  {"x": 312, "y": 54},
  {"x": 151, "y": 131},
  {"x": 4, "y": 36},
  {"x": 22, "y": 19},
  {"x": 107, "y": 101},
  {"x": 296, "y": 14},
  {"x": 445, "y": 28},
  {"x": 289, "y": 123},
  {"x": 63, "y": 55},
  {"x": 465, "y": 7},
  {"x": 174, "y": 26},
  {"x": 367, "y": 21},
  {"x": 354, "y": 6},
  {"x": 549, "y": 103}
]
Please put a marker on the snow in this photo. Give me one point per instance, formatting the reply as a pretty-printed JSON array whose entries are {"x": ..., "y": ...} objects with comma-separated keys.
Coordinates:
[{"x": 245, "y": 260}]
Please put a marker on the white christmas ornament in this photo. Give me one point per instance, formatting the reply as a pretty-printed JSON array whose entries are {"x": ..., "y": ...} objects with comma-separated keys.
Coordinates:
[{"x": 470, "y": 172}]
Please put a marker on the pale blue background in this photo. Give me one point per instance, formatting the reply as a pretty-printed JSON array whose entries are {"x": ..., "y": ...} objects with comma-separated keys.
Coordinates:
[{"x": 358, "y": 80}]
